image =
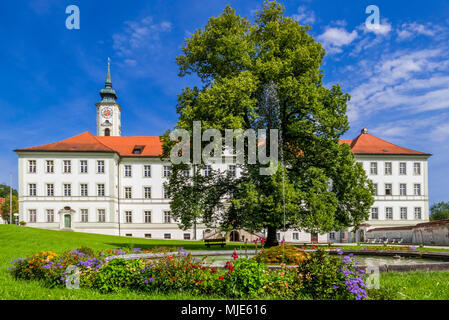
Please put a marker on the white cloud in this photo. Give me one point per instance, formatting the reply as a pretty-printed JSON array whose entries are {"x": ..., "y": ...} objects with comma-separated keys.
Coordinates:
[
  {"x": 304, "y": 16},
  {"x": 409, "y": 31},
  {"x": 382, "y": 29},
  {"x": 335, "y": 38},
  {"x": 142, "y": 34},
  {"x": 411, "y": 81}
]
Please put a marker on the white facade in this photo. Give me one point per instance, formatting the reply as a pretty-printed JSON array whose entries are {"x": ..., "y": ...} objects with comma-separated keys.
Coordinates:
[{"x": 102, "y": 190}]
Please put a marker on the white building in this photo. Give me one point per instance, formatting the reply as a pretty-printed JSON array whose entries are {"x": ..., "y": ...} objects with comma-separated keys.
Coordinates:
[{"x": 111, "y": 184}]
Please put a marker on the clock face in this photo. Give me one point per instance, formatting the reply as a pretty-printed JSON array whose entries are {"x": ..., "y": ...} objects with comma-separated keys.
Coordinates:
[{"x": 106, "y": 112}]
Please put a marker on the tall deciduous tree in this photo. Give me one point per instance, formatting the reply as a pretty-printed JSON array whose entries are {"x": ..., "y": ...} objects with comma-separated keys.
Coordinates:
[{"x": 267, "y": 74}]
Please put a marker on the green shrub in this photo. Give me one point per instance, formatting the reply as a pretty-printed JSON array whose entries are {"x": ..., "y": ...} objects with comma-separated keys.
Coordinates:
[
  {"x": 118, "y": 273},
  {"x": 322, "y": 276},
  {"x": 282, "y": 254},
  {"x": 247, "y": 278}
]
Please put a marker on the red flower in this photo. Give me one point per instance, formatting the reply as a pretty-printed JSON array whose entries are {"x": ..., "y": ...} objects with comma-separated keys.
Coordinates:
[
  {"x": 221, "y": 277},
  {"x": 234, "y": 255}
]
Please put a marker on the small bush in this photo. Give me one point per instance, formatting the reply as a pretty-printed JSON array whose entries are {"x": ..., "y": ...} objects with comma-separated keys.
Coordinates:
[
  {"x": 282, "y": 254},
  {"x": 118, "y": 273},
  {"x": 247, "y": 278}
]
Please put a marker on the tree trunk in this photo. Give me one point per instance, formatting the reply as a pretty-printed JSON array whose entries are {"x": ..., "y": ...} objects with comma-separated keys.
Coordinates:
[{"x": 272, "y": 239}]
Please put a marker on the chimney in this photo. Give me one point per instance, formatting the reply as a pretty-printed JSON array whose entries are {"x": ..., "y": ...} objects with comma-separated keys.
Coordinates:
[{"x": 364, "y": 131}]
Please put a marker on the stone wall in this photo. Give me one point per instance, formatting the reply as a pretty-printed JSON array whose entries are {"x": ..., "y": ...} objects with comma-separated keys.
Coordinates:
[
  {"x": 429, "y": 233},
  {"x": 432, "y": 233}
]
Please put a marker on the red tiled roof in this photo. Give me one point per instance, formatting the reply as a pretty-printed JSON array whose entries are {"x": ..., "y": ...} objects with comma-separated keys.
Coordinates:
[
  {"x": 86, "y": 142},
  {"x": 80, "y": 143},
  {"x": 365, "y": 143},
  {"x": 152, "y": 146}
]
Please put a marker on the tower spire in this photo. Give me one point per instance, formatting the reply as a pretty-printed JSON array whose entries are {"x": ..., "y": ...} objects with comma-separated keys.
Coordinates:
[
  {"x": 108, "y": 83},
  {"x": 108, "y": 94}
]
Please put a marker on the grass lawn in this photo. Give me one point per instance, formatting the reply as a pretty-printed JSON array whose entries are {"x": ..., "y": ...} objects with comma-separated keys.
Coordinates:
[
  {"x": 417, "y": 285},
  {"x": 361, "y": 247},
  {"x": 18, "y": 242}
]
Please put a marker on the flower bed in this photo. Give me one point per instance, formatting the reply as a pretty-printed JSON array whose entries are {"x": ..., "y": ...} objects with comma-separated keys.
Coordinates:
[{"x": 319, "y": 276}]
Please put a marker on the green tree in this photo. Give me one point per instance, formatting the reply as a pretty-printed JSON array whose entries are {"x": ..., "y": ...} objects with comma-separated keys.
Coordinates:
[
  {"x": 4, "y": 191},
  {"x": 266, "y": 74},
  {"x": 439, "y": 211},
  {"x": 5, "y": 206}
]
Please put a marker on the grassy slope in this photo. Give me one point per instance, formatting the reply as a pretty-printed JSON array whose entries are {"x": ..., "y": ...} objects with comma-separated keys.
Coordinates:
[{"x": 17, "y": 242}]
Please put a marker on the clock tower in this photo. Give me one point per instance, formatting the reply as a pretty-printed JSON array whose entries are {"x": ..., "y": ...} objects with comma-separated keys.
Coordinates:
[{"x": 108, "y": 111}]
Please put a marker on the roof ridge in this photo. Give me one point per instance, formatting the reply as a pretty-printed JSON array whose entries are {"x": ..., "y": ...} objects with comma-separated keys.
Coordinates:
[
  {"x": 394, "y": 144},
  {"x": 101, "y": 142}
]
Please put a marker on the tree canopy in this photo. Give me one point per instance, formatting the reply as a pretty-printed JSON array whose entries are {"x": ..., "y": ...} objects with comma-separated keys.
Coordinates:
[
  {"x": 439, "y": 211},
  {"x": 318, "y": 186}
]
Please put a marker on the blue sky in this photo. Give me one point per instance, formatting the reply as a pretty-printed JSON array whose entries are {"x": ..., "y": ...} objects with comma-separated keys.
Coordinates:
[{"x": 398, "y": 76}]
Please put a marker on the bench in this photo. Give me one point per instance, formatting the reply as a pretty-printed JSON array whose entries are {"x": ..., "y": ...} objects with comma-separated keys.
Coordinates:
[{"x": 215, "y": 242}]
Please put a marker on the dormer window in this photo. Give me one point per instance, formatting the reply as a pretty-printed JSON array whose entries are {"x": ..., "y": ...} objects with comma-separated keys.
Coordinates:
[{"x": 138, "y": 149}]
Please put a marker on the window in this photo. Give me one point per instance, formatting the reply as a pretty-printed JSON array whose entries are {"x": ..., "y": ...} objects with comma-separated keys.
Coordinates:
[
  {"x": 417, "y": 189},
  {"x": 167, "y": 235},
  {"x": 186, "y": 172},
  {"x": 50, "y": 215},
  {"x": 278, "y": 236},
  {"x": 129, "y": 234},
  {"x": 388, "y": 168},
  {"x": 147, "y": 171},
  {"x": 83, "y": 190},
  {"x": 147, "y": 216},
  {"x": 31, "y": 166},
  {"x": 418, "y": 213},
  {"x": 373, "y": 168},
  {"x": 389, "y": 213},
  {"x": 417, "y": 168},
  {"x": 101, "y": 215},
  {"x": 165, "y": 193},
  {"x": 374, "y": 213},
  {"x": 32, "y": 215},
  {"x": 375, "y": 189},
  {"x": 67, "y": 190},
  {"x": 32, "y": 189},
  {"x": 388, "y": 189},
  {"x": 107, "y": 132},
  {"x": 403, "y": 213},
  {"x": 100, "y": 190},
  {"x": 50, "y": 168},
  {"x": 207, "y": 170},
  {"x": 138, "y": 149},
  {"x": 402, "y": 168},
  {"x": 232, "y": 171},
  {"x": 148, "y": 235},
  {"x": 83, "y": 166},
  {"x": 100, "y": 166},
  {"x": 331, "y": 235},
  {"x": 166, "y": 171},
  {"x": 128, "y": 193},
  {"x": 147, "y": 192},
  {"x": 67, "y": 166},
  {"x": 295, "y": 236},
  {"x": 167, "y": 217},
  {"x": 128, "y": 172},
  {"x": 128, "y": 216},
  {"x": 84, "y": 215},
  {"x": 403, "y": 189},
  {"x": 50, "y": 190},
  {"x": 186, "y": 236}
]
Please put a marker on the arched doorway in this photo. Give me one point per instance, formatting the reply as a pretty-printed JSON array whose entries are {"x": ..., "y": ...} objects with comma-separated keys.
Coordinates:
[
  {"x": 67, "y": 221},
  {"x": 107, "y": 132},
  {"x": 234, "y": 236}
]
